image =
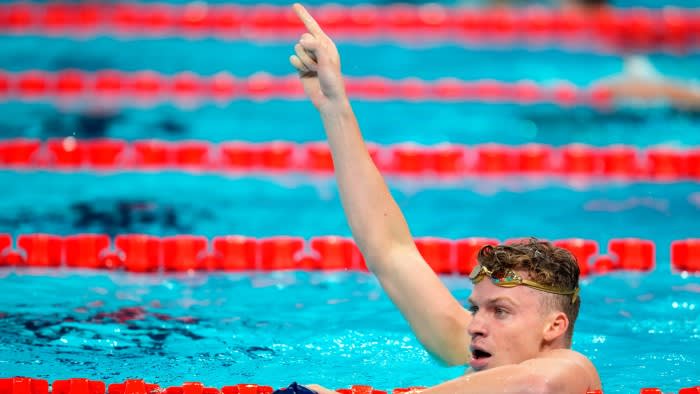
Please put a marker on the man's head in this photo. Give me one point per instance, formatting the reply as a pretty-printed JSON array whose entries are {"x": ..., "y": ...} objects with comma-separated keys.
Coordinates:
[{"x": 525, "y": 301}]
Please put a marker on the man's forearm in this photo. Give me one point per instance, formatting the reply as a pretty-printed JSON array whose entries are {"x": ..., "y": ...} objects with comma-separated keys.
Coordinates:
[
  {"x": 512, "y": 379},
  {"x": 381, "y": 232},
  {"x": 375, "y": 219}
]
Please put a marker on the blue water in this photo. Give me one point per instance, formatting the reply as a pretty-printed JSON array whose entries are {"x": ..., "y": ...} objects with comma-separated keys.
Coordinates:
[
  {"x": 228, "y": 329},
  {"x": 384, "y": 123},
  {"x": 243, "y": 58},
  {"x": 211, "y": 205},
  {"x": 333, "y": 329}
]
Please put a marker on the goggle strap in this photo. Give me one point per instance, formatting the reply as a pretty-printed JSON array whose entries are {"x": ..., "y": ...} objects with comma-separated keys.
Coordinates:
[
  {"x": 575, "y": 295},
  {"x": 480, "y": 271}
]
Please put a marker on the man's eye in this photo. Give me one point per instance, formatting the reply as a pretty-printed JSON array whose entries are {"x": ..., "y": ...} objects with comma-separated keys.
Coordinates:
[
  {"x": 473, "y": 309},
  {"x": 500, "y": 311}
]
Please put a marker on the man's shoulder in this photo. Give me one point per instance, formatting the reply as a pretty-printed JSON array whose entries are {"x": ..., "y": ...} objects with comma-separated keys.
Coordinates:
[
  {"x": 568, "y": 355},
  {"x": 568, "y": 362}
]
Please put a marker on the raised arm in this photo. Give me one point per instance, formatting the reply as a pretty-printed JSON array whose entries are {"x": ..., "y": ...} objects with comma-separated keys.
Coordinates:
[{"x": 376, "y": 222}]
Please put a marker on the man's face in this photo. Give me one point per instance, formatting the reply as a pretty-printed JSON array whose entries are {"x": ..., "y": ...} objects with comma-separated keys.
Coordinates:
[{"x": 507, "y": 325}]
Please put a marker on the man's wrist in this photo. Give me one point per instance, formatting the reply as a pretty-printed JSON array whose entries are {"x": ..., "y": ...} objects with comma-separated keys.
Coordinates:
[
  {"x": 336, "y": 102},
  {"x": 336, "y": 109}
]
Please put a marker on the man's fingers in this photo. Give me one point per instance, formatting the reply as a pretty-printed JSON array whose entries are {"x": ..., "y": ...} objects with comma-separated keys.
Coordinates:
[
  {"x": 306, "y": 37},
  {"x": 307, "y": 58},
  {"x": 298, "y": 64},
  {"x": 310, "y": 43},
  {"x": 310, "y": 23}
]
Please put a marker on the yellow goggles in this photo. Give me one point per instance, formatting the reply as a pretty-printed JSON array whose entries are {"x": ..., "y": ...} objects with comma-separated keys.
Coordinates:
[{"x": 508, "y": 278}]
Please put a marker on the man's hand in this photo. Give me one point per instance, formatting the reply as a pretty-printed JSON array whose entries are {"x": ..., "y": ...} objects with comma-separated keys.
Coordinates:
[{"x": 317, "y": 61}]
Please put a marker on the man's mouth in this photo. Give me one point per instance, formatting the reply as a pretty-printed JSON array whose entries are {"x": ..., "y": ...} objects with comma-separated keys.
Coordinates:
[
  {"x": 478, "y": 353},
  {"x": 480, "y": 358}
]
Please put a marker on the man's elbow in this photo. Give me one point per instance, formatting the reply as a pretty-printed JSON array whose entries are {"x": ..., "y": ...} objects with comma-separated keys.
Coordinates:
[
  {"x": 531, "y": 382},
  {"x": 541, "y": 383},
  {"x": 454, "y": 362},
  {"x": 454, "y": 344},
  {"x": 445, "y": 354}
]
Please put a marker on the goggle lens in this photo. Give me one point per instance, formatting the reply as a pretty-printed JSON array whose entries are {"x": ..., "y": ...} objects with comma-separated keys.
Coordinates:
[{"x": 501, "y": 275}]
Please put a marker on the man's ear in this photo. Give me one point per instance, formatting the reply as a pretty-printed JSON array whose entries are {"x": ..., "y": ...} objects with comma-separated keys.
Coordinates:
[{"x": 556, "y": 326}]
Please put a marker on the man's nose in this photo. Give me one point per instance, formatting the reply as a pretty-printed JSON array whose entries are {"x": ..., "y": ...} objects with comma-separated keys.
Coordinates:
[{"x": 477, "y": 326}]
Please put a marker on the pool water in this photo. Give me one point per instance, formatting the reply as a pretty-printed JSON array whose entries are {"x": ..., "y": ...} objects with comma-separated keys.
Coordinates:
[
  {"x": 384, "y": 123},
  {"x": 639, "y": 329},
  {"x": 211, "y": 205},
  {"x": 335, "y": 329}
]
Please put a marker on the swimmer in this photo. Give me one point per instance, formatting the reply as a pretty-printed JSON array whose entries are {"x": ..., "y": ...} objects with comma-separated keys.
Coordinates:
[
  {"x": 639, "y": 83},
  {"x": 516, "y": 335}
]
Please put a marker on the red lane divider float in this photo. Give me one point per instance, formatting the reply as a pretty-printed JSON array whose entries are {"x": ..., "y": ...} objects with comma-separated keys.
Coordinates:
[
  {"x": 685, "y": 254},
  {"x": 148, "y": 88},
  {"x": 136, "y": 386},
  {"x": 183, "y": 253},
  {"x": 196, "y": 388},
  {"x": 578, "y": 162},
  {"x": 133, "y": 386},
  {"x": 23, "y": 385},
  {"x": 622, "y": 29},
  {"x": 75, "y": 386}
]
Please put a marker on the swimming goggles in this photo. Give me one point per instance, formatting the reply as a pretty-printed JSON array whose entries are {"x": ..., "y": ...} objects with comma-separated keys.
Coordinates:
[{"x": 508, "y": 278}]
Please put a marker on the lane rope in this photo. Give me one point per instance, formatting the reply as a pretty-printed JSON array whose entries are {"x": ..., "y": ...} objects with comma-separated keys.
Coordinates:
[
  {"x": 149, "y": 88},
  {"x": 617, "y": 29},
  {"x": 574, "y": 162},
  {"x": 26, "y": 385},
  {"x": 183, "y": 253}
]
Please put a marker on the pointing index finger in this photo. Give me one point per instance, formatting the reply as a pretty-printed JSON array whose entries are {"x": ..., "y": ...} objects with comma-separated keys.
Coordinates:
[{"x": 310, "y": 23}]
